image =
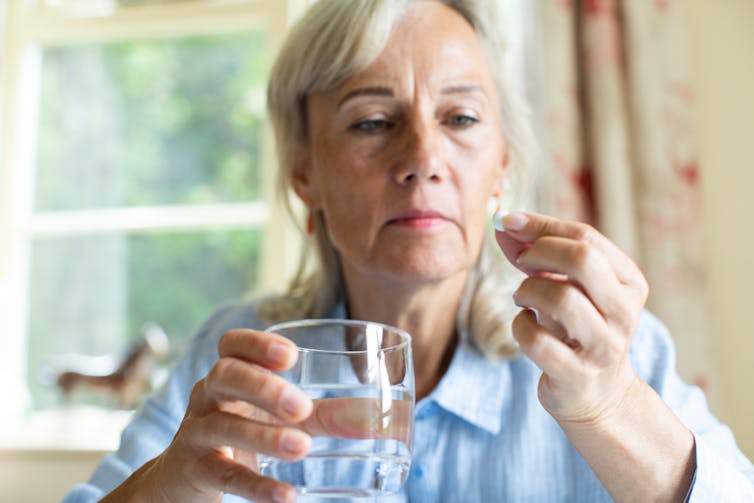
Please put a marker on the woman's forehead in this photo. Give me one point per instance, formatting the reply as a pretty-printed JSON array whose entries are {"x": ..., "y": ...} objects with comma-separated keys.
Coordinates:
[{"x": 432, "y": 46}]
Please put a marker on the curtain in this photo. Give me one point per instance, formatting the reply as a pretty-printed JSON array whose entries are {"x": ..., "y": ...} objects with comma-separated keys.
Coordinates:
[{"x": 613, "y": 108}]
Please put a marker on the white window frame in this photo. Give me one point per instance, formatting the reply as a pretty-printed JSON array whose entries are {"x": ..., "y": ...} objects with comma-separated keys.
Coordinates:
[{"x": 32, "y": 25}]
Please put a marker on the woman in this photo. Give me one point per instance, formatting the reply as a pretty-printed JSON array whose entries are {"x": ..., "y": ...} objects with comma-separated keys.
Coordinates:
[{"x": 395, "y": 128}]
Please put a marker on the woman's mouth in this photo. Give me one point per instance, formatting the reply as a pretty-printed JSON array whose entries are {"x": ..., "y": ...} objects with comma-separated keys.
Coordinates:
[{"x": 419, "y": 219}]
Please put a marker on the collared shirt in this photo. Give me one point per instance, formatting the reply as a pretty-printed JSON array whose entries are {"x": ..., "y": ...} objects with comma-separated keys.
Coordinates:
[{"x": 480, "y": 436}]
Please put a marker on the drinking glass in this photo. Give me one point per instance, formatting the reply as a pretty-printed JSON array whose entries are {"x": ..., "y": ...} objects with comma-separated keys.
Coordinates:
[{"x": 360, "y": 377}]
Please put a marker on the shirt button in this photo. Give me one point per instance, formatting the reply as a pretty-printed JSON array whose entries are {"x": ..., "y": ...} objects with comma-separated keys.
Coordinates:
[{"x": 418, "y": 472}]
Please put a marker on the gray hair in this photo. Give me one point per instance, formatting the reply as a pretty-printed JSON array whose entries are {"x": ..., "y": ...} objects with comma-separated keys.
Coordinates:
[{"x": 333, "y": 41}]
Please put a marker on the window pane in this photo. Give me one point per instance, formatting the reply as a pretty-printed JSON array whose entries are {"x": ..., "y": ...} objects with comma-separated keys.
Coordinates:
[
  {"x": 151, "y": 122},
  {"x": 96, "y": 8},
  {"x": 92, "y": 295}
]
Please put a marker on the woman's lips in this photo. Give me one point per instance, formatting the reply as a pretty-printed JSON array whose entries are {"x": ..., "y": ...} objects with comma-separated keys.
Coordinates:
[{"x": 419, "y": 219}]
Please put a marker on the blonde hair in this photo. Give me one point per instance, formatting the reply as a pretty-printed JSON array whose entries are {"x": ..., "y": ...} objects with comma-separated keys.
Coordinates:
[{"x": 333, "y": 41}]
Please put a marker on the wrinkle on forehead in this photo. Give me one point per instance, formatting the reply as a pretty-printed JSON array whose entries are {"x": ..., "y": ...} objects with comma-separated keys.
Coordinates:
[{"x": 428, "y": 35}]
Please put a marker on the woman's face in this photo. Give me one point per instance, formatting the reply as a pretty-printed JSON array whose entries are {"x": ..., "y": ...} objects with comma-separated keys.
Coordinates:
[{"x": 403, "y": 157}]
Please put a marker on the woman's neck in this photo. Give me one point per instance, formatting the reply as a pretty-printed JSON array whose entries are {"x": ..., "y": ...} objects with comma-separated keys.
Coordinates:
[{"x": 427, "y": 311}]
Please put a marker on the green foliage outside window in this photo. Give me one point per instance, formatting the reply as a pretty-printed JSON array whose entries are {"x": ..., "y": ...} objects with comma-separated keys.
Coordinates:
[
  {"x": 141, "y": 123},
  {"x": 151, "y": 122}
]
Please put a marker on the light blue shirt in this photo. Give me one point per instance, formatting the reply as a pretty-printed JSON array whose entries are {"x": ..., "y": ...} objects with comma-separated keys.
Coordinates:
[{"x": 480, "y": 436}]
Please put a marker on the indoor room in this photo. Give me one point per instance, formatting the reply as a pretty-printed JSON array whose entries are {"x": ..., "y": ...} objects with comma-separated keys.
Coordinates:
[{"x": 140, "y": 150}]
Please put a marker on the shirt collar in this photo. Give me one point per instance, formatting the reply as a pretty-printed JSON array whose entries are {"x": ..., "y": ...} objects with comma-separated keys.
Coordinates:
[{"x": 473, "y": 388}]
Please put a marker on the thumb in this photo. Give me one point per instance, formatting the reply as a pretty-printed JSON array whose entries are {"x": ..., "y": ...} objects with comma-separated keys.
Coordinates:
[{"x": 511, "y": 247}]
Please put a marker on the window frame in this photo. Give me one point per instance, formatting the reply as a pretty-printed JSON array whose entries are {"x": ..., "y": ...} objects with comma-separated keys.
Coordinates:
[{"x": 32, "y": 25}]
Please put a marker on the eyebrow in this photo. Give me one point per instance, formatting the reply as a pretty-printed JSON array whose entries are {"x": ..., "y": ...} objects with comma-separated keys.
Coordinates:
[
  {"x": 388, "y": 92},
  {"x": 366, "y": 91}
]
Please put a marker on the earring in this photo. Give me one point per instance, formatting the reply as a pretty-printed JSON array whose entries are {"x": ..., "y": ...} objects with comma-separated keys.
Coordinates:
[{"x": 310, "y": 223}]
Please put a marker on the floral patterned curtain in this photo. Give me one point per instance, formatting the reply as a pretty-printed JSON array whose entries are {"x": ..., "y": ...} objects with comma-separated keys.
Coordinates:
[{"x": 614, "y": 109}]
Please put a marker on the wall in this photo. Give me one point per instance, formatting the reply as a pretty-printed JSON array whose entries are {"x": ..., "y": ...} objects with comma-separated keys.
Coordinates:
[
  {"x": 722, "y": 37},
  {"x": 35, "y": 476}
]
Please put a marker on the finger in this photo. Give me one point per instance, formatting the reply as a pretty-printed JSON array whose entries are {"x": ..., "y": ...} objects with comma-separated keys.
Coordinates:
[
  {"x": 361, "y": 418},
  {"x": 235, "y": 478},
  {"x": 511, "y": 247},
  {"x": 247, "y": 458},
  {"x": 269, "y": 350},
  {"x": 567, "y": 307},
  {"x": 223, "y": 429},
  {"x": 557, "y": 331},
  {"x": 233, "y": 379},
  {"x": 555, "y": 328},
  {"x": 550, "y": 354},
  {"x": 586, "y": 267},
  {"x": 526, "y": 227}
]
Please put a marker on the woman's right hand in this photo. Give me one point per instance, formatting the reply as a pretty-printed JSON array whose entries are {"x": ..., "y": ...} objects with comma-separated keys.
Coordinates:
[{"x": 238, "y": 410}]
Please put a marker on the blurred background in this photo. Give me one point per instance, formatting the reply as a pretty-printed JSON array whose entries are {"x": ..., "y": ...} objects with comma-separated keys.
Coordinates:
[{"x": 137, "y": 190}]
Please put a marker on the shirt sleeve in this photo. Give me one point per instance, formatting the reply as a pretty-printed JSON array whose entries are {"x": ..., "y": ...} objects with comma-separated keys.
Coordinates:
[
  {"x": 723, "y": 473},
  {"x": 155, "y": 424}
]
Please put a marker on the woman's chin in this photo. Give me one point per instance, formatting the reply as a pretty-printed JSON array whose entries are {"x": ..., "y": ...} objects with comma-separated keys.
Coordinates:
[{"x": 425, "y": 270}]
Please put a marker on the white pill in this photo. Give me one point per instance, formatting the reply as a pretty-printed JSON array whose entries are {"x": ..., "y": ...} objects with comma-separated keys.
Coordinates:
[{"x": 497, "y": 220}]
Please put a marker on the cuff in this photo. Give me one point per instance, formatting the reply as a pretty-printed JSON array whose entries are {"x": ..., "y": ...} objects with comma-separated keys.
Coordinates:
[
  {"x": 715, "y": 479},
  {"x": 83, "y": 493}
]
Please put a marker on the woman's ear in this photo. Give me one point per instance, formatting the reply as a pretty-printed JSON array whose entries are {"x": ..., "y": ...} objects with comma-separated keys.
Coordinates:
[
  {"x": 302, "y": 178},
  {"x": 502, "y": 180}
]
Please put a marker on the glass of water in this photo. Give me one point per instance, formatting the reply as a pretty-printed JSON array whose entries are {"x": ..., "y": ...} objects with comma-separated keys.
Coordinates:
[{"x": 360, "y": 377}]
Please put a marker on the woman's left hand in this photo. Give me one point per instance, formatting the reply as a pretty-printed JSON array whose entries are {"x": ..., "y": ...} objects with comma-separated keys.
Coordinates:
[{"x": 582, "y": 300}]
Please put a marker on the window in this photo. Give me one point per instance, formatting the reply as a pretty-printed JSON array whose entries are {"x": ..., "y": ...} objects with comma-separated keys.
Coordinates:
[
  {"x": 136, "y": 178},
  {"x": 153, "y": 125}
]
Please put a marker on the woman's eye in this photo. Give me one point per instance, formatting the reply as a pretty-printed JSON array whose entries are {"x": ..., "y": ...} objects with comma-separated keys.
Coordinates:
[
  {"x": 462, "y": 120},
  {"x": 371, "y": 126}
]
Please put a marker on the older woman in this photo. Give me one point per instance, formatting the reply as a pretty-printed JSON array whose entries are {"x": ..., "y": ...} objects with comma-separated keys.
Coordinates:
[{"x": 395, "y": 128}]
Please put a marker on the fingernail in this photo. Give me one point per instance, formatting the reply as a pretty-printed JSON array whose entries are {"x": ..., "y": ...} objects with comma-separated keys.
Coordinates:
[
  {"x": 282, "y": 494},
  {"x": 497, "y": 220},
  {"x": 278, "y": 353},
  {"x": 292, "y": 441},
  {"x": 293, "y": 401},
  {"x": 515, "y": 221}
]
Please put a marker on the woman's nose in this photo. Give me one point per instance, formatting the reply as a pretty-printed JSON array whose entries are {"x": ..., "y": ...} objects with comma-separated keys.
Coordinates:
[{"x": 421, "y": 156}]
